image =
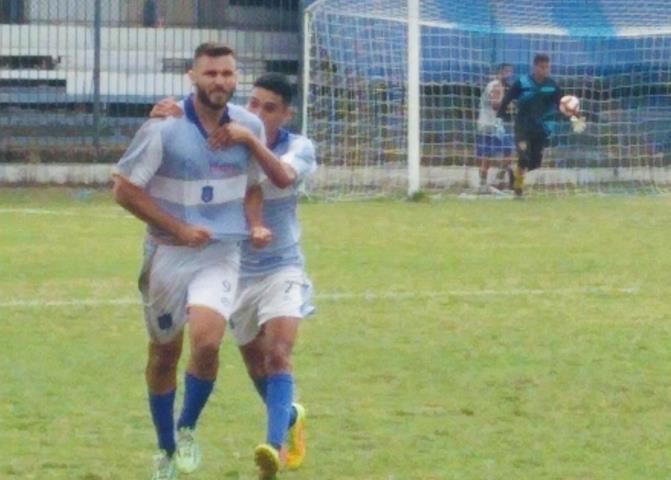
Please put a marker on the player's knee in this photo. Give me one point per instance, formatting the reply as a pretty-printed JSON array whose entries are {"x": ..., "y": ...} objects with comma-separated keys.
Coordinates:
[
  {"x": 256, "y": 367},
  {"x": 278, "y": 358},
  {"x": 163, "y": 363},
  {"x": 206, "y": 354}
]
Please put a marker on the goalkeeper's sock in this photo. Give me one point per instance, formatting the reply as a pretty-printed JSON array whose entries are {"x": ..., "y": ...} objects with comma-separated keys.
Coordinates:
[
  {"x": 519, "y": 178},
  {"x": 511, "y": 177}
]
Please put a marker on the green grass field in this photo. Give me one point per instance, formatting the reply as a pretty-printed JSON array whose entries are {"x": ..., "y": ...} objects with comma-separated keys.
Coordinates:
[{"x": 454, "y": 340}]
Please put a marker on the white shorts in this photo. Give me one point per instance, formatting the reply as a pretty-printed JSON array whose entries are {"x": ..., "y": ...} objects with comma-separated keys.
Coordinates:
[
  {"x": 285, "y": 293},
  {"x": 174, "y": 278}
]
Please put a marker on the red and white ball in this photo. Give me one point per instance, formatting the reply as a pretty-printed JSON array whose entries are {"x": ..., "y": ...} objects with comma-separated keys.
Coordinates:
[{"x": 569, "y": 105}]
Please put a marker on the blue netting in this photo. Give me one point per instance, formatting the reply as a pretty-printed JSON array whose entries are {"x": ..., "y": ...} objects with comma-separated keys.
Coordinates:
[
  {"x": 613, "y": 54},
  {"x": 585, "y": 17},
  {"x": 585, "y": 37}
]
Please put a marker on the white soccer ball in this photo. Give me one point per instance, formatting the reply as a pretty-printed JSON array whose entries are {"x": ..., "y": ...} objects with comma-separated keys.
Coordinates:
[{"x": 569, "y": 105}]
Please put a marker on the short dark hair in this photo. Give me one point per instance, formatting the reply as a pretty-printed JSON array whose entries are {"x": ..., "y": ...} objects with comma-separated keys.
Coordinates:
[
  {"x": 541, "y": 58},
  {"x": 504, "y": 65},
  {"x": 276, "y": 83},
  {"x": 211, "y": 49}
]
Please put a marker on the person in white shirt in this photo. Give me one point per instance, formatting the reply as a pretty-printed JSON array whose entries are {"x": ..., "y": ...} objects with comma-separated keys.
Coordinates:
[
  {"x": 493, "y": 144},
  {"x": 194, "y": 200},
  {"x": 274, "y": 293}
]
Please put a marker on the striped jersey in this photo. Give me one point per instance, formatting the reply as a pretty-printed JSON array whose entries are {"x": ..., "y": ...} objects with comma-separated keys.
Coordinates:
[
  {"x": 171, "y": 160},
  {"x": 279, "y": 211}
]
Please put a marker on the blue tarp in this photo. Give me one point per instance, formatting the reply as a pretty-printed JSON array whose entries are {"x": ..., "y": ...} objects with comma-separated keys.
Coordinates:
[{"x": 377, "y": 48}]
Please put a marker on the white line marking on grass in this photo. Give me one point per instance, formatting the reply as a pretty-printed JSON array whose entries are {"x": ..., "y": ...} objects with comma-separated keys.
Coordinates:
[
  {"x": 335, "y": 296},
  {"x": 473, "y": 293},
  {"x": 73, "y": 302},
  {"x": 67, "y": 213}
]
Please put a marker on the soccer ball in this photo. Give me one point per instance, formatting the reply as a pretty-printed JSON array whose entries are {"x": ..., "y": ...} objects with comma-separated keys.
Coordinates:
[{"x": 569, "y": 105}]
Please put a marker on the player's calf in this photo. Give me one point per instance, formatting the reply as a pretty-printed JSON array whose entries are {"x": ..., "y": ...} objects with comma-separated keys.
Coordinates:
[{"x": 484, "y": 170}]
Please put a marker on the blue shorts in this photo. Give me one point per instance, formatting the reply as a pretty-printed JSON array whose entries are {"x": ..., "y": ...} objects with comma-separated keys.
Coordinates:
[{"x": 489, "y": 145}]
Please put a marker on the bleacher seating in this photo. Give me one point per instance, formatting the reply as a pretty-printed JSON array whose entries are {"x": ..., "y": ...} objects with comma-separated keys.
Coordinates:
[{"x": 46, "y": 74}]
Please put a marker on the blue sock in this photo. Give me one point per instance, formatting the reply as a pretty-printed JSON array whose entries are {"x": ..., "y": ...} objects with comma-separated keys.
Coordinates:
[
  {"x": 162, "y": 408},
  {"x": 261, "y": 385},
  {"x": 196, "y": 393},
  {"x": 279, "y": 396}
]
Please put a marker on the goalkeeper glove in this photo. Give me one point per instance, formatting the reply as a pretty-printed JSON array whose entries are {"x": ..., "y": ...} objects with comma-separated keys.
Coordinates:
[{"x": 578, "y": 124}]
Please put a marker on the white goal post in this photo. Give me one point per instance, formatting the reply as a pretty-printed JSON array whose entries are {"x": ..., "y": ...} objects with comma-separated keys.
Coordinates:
[{"x": 392, "y": 91}]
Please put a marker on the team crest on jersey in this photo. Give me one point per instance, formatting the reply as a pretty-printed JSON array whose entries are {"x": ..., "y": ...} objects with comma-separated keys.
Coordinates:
[
  {"x": 207, "y": 194},
  {"x": 165, "y": 321}
]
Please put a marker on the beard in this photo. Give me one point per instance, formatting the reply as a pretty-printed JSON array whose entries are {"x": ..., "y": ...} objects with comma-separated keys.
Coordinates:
[{"x": 215, "y": 100}]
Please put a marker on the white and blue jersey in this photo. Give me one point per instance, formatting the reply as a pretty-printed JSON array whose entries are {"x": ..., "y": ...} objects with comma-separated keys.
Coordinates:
[
  {"x": 279, "y": 211},
  {"x": 171, "y": 160}
]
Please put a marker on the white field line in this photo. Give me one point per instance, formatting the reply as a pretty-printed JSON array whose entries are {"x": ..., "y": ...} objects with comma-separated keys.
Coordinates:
[
  {"x": 96, "y": 214},
  {"x": 83, "y": 212},
  {"x": 331, "y": 297}
]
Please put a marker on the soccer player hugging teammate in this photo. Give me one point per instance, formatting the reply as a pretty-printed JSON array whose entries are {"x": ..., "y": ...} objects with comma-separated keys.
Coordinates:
[
  {"x": 274, "y": 292},
  {"x": 193, "y": 200},
  {"x": 538, "y": 98}
]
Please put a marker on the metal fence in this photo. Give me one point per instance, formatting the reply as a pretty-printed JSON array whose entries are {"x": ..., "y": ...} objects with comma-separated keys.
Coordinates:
[{"x": 77, "y": 77}]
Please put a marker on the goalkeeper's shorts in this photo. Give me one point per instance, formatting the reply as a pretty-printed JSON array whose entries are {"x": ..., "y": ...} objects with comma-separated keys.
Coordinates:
[{"x": 530, "y": 147}]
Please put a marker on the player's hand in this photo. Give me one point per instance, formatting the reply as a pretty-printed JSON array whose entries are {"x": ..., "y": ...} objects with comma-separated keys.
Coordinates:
[
  {"x": 193, "y": 236},
  {"x": 167, "y": 107},
  {"x": 500, "y": 130},
  {"x": 230, "y": 134},
  {"x": 578, "y": 124},
  {"x": 261, "y": 236}
]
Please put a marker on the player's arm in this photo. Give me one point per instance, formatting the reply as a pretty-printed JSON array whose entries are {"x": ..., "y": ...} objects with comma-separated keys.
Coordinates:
[
  {"x": 134, "y": 199},
  {"x": 512, "y": 94},
  {"x": 168, "y": 107},
  {"x": 131, "y": 175},
  {"x": 260, "y": 235},
  {"x": 300, "y": 157},
  {"x": 279, "y": 173},
  {"x": 496, "y": 96}
]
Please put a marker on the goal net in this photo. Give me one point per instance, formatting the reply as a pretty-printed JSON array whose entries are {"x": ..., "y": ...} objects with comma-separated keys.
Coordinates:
[{"x": 615, "y": 55}]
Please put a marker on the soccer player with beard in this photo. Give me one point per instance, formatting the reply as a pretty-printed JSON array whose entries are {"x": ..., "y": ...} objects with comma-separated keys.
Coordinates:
[
  {"x": 193, "y": 199},
  {"x": 274, "y": 294}
]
